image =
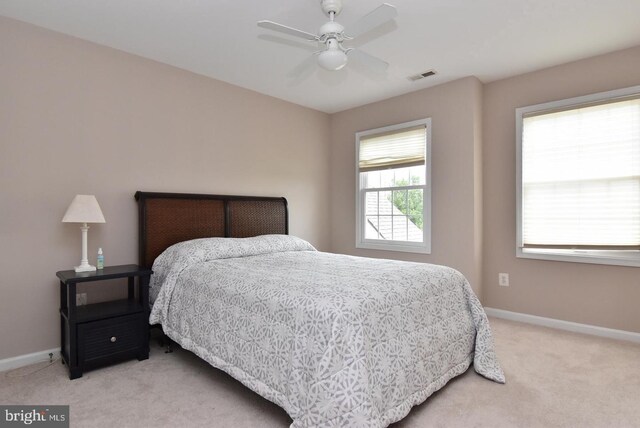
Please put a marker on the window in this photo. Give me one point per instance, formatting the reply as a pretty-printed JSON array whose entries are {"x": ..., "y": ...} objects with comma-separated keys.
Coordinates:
[
  {"x": 578, "y": 179},
  {"x": 393, "y": 168}
]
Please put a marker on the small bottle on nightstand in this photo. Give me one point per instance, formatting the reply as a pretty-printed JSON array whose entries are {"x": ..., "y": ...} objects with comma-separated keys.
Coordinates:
[{"x": 100, "y": 261}]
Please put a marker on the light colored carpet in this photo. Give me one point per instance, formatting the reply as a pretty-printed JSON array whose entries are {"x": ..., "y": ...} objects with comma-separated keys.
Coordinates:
[{"x": 554, "y": 379}]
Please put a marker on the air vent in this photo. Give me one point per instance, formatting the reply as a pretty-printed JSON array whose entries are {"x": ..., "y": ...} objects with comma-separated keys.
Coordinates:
[{"x": 422, "y": 75}]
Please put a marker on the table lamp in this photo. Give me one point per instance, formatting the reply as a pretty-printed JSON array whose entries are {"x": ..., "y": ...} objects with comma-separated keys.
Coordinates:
[{"x": 84, "y": 209}]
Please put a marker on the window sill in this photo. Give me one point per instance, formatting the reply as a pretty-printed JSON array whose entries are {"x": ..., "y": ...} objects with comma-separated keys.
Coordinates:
[
  {"x": 614, "y": 258},
  {"x": 403, "y": 247}
]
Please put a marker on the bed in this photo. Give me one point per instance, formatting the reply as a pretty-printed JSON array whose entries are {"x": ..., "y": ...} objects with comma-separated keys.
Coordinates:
[{"x": 335, "y": 340}]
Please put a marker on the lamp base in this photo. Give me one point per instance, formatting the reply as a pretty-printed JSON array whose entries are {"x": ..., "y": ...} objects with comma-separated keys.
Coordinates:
[{"x": 86, "y": 268}]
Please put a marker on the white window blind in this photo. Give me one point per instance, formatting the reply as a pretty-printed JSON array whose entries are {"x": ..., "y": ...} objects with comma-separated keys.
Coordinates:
[
  {"x": 393, "y": 149},
  {"x": 581, "y": 177}
]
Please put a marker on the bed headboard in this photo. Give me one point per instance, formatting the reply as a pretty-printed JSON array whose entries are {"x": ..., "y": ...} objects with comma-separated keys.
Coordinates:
[{"x": 168, "y": 218}]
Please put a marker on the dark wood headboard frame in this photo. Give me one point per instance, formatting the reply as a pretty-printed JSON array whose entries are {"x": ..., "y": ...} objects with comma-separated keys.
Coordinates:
[{"x": 167, "y": 218}]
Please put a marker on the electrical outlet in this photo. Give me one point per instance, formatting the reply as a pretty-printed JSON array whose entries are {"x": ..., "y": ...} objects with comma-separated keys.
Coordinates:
[
  {"x": 81, "y": 299},
  {"x": 503, "y": 279}
]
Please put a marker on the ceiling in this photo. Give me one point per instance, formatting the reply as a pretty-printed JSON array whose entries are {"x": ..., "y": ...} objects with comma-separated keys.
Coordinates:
[{"x": 490, "y": 39}]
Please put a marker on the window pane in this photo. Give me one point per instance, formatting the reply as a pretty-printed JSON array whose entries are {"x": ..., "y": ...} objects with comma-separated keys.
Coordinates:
[
  {"x": 370, "y": 179},
  {"x": 400, "y": 202},
  {"x": 387, "y": 178},
  {"x": 414, "y": 229},
  {"x": 371, "y": 203},
  {"x": 371, "y": 228},
  {"x": 400, "y": 228},
  {"x": 418, "y": 175},
  {"x": 416, "y": 208},
  {"x": 385, "y": 227},
  {"x": 385, "y": 203},
  {"x": 401, "y": 177},
  {"x": 395, "y": 177}
]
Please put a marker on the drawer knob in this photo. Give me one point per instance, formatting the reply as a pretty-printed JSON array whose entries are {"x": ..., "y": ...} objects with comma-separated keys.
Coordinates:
[{"x": 113, "y": 339}]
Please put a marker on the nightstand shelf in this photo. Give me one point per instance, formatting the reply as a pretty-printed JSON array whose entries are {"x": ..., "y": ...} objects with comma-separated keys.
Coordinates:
[
  {"x": 103, "y": 333},
  {"x": 99, "y": 311}
]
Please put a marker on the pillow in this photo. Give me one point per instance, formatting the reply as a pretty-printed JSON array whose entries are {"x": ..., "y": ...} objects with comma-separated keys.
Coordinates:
[{"x": 179, "y": 256}]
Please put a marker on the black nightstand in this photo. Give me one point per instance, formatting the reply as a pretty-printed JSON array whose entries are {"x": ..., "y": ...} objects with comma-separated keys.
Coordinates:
[{"x": 104, "y": 333}]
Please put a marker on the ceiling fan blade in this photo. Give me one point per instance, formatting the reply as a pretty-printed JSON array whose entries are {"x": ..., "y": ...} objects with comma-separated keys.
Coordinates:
[
  {"x": 295, "y": 43},
  {"x": 270, "y": 25},
  {"x": 371, "y": 62},
  {"x": 303, "y": 70},
  {"x": 373, "y": 19}
]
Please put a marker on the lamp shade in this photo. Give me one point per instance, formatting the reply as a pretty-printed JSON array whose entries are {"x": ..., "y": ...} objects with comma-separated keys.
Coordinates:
[{"x": 84, "y": 209}]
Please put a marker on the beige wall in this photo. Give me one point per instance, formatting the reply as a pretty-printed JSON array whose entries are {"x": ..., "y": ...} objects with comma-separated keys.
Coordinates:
[
  {"x": 76, "y": 117},
  {"x": 79, "y": 118},
  {"x": 602, "y": 295},
  {"x": 455, "y": 109}
]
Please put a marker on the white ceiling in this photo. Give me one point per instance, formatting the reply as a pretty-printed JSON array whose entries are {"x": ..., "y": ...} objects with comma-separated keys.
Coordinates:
[{"x": 490, "y": 39}]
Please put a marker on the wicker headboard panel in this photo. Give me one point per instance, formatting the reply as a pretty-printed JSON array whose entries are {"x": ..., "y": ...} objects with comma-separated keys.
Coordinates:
[{"x": 168, "y": 218}]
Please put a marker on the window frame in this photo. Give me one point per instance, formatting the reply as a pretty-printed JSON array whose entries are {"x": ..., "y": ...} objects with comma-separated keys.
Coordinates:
[
  {"x": 390, "y": 245},
  {"x": 607, "y": 257}
]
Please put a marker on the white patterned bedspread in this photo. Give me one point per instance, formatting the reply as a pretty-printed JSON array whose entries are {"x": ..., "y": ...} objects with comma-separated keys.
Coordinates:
[{"x": 335, "y": 340}]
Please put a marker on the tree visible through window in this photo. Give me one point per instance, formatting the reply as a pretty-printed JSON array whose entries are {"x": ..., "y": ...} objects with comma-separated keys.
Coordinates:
[{"x": 410, "y": 203}]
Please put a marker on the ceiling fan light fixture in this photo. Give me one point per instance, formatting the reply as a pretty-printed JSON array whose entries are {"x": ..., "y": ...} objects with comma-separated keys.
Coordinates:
[{"x": 332, "y": 60}]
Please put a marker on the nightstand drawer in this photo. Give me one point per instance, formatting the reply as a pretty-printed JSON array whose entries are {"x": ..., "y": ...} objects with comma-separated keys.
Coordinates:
[{"x": 107, "y": 337}]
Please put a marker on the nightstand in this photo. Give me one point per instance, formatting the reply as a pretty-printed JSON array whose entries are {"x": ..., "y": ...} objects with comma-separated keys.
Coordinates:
[{"x": 104, "y": 333}]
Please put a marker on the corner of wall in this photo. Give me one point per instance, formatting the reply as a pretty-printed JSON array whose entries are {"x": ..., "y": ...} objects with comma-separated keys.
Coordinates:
[{"x": 477, "y": 185}]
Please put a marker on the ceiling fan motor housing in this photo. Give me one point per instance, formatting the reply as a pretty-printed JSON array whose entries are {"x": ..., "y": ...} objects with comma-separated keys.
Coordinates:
[
  {"x": 329, "y": 6},
  {"x": 331, "y": 29}
]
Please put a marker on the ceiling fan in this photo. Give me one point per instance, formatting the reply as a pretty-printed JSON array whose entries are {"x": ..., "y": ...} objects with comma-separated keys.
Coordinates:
[{"x": 334, "y": 55}]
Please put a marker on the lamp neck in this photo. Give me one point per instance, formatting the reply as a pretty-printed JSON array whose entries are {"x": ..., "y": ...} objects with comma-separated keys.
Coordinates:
[{"x": 84, "y": 262}]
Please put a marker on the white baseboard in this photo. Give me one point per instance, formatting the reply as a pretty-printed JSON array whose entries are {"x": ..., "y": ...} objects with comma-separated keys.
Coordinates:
[
  {"x": 25, "y": 360},
  {"x": 565, "y": 325},
  {"x": 629, "y": 336}
]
